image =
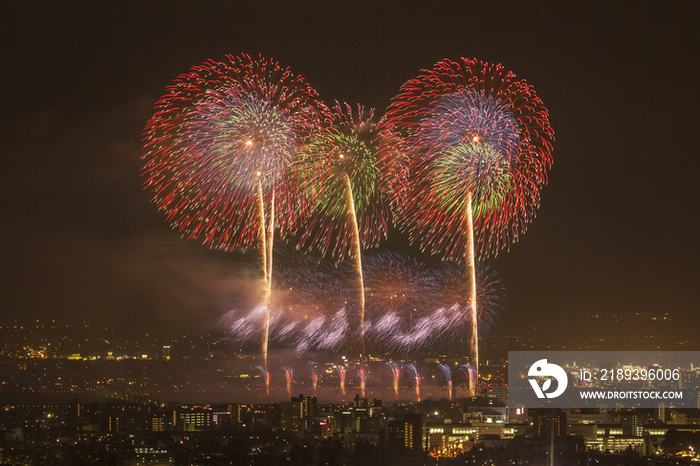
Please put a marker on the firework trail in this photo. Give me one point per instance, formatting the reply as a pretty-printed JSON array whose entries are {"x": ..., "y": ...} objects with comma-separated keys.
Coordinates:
[
  {"x": 220, "y": 150},
  {"x": 490, "y": 299},
  {"x": 362, "y": 373},
  {"x": 448, "y": 378},
  {"x": 479, "y": 147},
  {"x": 340, "y": 168},
  {"x": 289, "y": 376},
  {"x": 307, "y": 307},
  {"x": 266, "y": 376},
  {"x": 314, "y": 375},
  {"x": 471, "y": 375},
  {"x": 341, "y": 375},
  {"x": 411, "y": 369},
  {"x": 410, "y": 305},
  {"x": 395, "y": 376}
]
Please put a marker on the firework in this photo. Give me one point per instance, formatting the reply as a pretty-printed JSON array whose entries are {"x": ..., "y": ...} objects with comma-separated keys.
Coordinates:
[
  {"x": 222, "y": 131},
  {"x": 399, "y": 288},
  {"x": 266, "y": 376},
  {"x": 314, "y": 375},
  {"x": 448, "y": 378},
  {"x": 490, "y": 301},
  {"x": 479, "y": 146},
  {"x": 341, "y": 376},
  {"x": 220, "y": 149},
  {"x": 413, "y": 305},
  {"x": 340, "y": 167},
  {"x": 411, "y": 369},
  {"x": 470, "y": 374},
  {"x": 307, "y": 308},
  {"x": 289, "y": 376},
  {"x": 410, "y": 305},
  {"x": 362, "y": 373},
  {"x": 395, "y": 376}
]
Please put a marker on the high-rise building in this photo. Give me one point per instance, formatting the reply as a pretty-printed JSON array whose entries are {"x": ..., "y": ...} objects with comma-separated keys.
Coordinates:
[
  {"x": 166, "y": 352},
  {"x": 158, "y": 423},
  {"x": 308, "y": 405},
  {"x": 113, "y": 423},
  {"x": 632, "y": 425},
  {"x": 498, "y": 392},
  {"x": 290, "y": 415},
  {"x": 543, "y": 420},
  {"x": 413, "y": 431},
  {"x": 376, "y": 409},
  {"x": 194, "y": 419},
  {"x": 299, "y": 413},
  {"x": 360, "y": 403},
  {"x": 661, "y": 412},
  {"x": 360, "y": 414},
  {"x": 76, "y": 409},
  {"x": 394, "y": 435},
  {"x": 407, "y": 433},
  {"x": 235, "y": 412}
]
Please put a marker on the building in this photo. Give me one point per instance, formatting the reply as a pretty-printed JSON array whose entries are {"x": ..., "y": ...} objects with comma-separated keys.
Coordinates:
[
  {"x": 234, "y": 411},
  {"x": 546, "y": 421},
  {"x": 498, "y": 392},
  {"x": 308, "y": 405},
  {"x": 489, "y": 414},
  {"x": 632, "y": 425},
  {"x": 194, "y": 419},
  {"x": 158, "y": 423},
  {"x": 290, "y": 416},
  {"x": 360, "y": 414},
  {"x": 661, "y": 412},
  {"x": 407, "y": 433},
  {"x": 589, "y": 418},
  {"x": 298, "y": 414},
  {"x": 621, "y": 444}
]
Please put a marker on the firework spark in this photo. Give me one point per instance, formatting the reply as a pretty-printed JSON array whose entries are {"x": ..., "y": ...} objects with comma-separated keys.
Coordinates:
[
  {"x": 470, "y": 374},
  {"x": 340, "y": 164},
  {"x": 413, "y": 371},
  {"x": 289, "y": 376},
  {"x": 448, "y": 378},
  {"x": 362, "y": 373},
  {"x": 410, "y": 305},
  {"x": 413, "y": 305},
  {"x": 340, "y": 167},
  {"x": 314, "y": 375},
  {"x": 220, "y": 150},
  {"x": 341, "y": 376},
  {"x": 479, "y": 147},
  {"x": 266, "y": 376},
  {"x": 395, "y": 376}
]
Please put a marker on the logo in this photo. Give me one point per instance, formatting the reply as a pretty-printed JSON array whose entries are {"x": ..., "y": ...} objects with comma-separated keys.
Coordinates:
[{"x": 543, "y": 369}]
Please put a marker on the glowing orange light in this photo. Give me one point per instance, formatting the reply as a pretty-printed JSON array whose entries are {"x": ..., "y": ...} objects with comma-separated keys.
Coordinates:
[
  {"x": 475, "y": 139},
  {"x": 249, "y": 142}
]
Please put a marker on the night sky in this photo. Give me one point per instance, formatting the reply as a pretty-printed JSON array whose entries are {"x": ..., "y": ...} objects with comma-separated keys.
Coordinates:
[{"x": 617, "y": 230}]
